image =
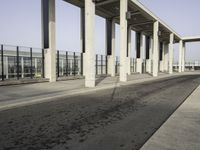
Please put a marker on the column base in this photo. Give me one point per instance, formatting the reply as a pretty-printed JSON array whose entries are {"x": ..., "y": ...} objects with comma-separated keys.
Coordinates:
[
  {"x": 148, "y": 66},
  {"x": 89, "y": 83},
  {"x": 139, "y": 65},
  {"x": 128, "y": 66},
  {"x": 161, "y": 66},
  {"x": 50, "y": 65},
  {"x": 111, "y": 65}
]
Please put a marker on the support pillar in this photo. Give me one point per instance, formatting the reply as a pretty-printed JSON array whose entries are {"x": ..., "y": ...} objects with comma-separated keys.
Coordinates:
[
  {"x": 49, "y": 38},
  {"x": 148, "y": 53},
  {"x": 155, "y": 48},
  {"x": 166, "y": 57},
  {"x": 123, "y": 40},
  {"x": 139, "y": 48},
  {"x": 171, "y": 53},
  {"x": 183, "y": 57},
  {"x": 180, "y": 55},
  {"x": 129, "y": 51},
  {"x": 161, "y": 57},
  {"x": 151, "y": 56},
  {"x": 89, "y": 43},
  {"x": 82, "y": 38},
  {"x": 110, "y": 46}
]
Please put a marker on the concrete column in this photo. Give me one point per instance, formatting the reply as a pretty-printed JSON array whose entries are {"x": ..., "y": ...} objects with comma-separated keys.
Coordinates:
[
  {"x": 183, "y": 57},
  {"x": 49, "y": 38},
  {"x": 139, "y": 50},
  {"x": 166, "y": 59},
  {"x": 123, "y": 40},
  {"x": 162, "y": 57},
  {"x": 155, "y": 48},
  {"x": 148, "y": 60},
  {"x": 180, "y": 55},
  {"x": 111, "y": 56},
  {"x": 82, "y": 36},
  {"x": 151, "y": 55},
  {"x": 89, "y": 43},
  {"x": 129, "y": 52},
  {"x": 149, "y": 47},
  {"x": 171, "y": 53}
]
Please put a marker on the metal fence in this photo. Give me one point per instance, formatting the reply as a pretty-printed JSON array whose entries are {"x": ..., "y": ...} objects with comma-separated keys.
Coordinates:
[
  {"x": 101, "y": 65},
  {"x": 17, "y": 62},
  {"x": 133, "y": 65},
  {"x": 144, "y": 63},
  {"x": 69, "y": 63}
]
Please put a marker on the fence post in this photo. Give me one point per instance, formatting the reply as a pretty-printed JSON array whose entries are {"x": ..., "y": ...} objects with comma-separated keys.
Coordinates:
[
  {"x": 106, "y": 64},
  {"x": 74, "y": 69},
  {"x": 101, "y": 64},
  {"x": 43, "y": 72},
  {"x": 66, "y": 63},
  {"x": 58, "y": 63},
  {"x": 2, "y": 64},
  {"x": 81, "y": 63},
  {"x": 31, "y": 57},
  {"x": 96, "y": 64},
  {"x": 17, "y": 62}
]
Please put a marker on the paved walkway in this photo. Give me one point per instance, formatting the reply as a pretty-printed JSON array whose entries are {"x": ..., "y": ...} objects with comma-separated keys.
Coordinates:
[
  {"x": 182, "y": 130},
  {"x": 25, "y": 94}
]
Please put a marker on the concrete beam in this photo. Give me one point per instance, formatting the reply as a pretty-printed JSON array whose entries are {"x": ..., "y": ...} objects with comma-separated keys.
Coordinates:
[
  {"x": 100, "y": 3},
  {"x": 142, "y": 23}
]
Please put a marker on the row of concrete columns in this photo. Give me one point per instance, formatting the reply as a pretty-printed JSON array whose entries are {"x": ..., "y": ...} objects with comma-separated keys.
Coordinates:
[{"x": 88, "y": 48}]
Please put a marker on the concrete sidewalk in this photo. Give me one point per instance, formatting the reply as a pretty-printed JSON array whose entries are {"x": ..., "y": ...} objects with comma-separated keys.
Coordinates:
[
  {"x": 26, "y": 94},
  {"x": 182, "y": 130}
]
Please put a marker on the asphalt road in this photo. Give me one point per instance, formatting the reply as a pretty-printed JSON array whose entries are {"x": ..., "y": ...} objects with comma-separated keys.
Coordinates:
[{"x": 123, "y": 118}]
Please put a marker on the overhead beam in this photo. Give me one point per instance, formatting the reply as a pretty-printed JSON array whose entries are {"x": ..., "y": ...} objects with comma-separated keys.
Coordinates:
[
  {"x": 132, "y": 14},
  {"x": 142, "y": 23},
  {"x": 100, "y": 3}
]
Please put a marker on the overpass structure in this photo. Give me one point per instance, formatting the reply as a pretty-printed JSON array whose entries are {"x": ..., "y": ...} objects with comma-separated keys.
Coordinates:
[{"x": 130, "y": 15}]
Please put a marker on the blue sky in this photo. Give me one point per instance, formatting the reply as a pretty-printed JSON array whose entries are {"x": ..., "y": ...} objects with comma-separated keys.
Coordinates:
[{"x": 21, "y": 24}]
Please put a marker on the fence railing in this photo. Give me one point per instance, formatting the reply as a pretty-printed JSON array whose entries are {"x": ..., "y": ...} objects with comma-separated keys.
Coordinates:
[
  {"x": 101, "y": 65},
  {"x": 18, "y": 62},
  {"x": 133, "y": 65},
  {"x": 69, "y": 63},
  {"x": 144, "y": 63}
]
